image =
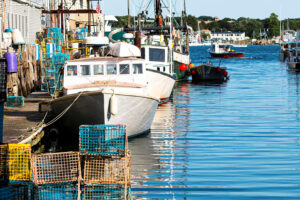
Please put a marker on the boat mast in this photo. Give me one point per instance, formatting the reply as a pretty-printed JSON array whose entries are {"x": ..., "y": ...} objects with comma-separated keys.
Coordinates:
[
  {"x": 297, "y": 46},
  {"x": 187, "y": 50},
  {"x": 171, "y": 39},
  {"x": 158, "y": 12}
]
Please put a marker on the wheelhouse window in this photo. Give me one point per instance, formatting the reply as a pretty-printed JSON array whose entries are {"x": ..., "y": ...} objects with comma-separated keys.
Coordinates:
[
  {"x": 85, "y": 70},
  {"x": 156, "y": 55},
  {"x": 72, "y": 70},
  {"x": 137, "y": 68},
  {"x": 143, "y": 53},
  {"x": 98, "y": 70},
  {"x": 124, "y": 69},
  {"x": 111, "y": 69}
]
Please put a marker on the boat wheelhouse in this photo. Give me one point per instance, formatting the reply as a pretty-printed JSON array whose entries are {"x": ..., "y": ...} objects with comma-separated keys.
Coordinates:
[
  {"x": 224, "y": 51},
  {"x": 106, "y": 90}
]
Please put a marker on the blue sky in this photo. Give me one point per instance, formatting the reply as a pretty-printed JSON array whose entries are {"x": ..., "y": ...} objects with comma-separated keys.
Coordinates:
[{"x": 221, "y": 8}]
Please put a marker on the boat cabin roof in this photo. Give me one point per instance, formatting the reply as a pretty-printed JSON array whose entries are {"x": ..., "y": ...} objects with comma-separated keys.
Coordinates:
[{"x": 106, "y": 58}]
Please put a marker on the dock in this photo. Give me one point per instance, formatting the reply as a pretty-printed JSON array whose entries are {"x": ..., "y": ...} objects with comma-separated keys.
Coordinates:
[{"x": 20, "y": 122}]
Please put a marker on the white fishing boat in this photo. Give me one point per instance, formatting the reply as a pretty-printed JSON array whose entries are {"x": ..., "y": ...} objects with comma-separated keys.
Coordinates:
[
  {"x": 293, "y": 62},
  {"x": 106, "y": 90},
  {"x": 159, "y": 70},
  {"x": 240, "y": 45}
]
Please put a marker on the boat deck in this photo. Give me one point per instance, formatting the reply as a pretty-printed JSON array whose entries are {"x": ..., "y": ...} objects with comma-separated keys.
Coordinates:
[{"x": 19, "y": 122}]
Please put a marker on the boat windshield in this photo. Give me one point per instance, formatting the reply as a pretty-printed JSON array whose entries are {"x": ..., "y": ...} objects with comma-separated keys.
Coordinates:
[
  {"x": 98, "y": 70},
  {"x": 72, "y": 70},
  {"x": 137, "y": 68},
  {"x": 157, "y": 55},
  {"x": 124, "y": 69},
  {"x": 111, "y": 69}
]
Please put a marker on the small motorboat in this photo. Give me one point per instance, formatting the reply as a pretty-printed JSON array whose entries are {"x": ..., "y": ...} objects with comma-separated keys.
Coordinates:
[
  {"x": 207, "y": 72},
  {"x": 293, "y": 62},
  {"x": 224, "y": 51}
]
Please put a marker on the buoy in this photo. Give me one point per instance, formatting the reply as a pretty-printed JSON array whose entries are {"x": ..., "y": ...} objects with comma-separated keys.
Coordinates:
[
  {"x": 113, "y": 105},
  {"x": 183, "y": 67},
  {"x": 225, "y": 74},
  {"x": 219, "y": 69},
  {"x": 193, "y": 72},
  {"x": 191, "y": 65}
]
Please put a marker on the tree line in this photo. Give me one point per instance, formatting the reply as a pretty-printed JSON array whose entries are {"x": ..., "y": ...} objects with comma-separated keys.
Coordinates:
[{"x": 254, "y": 28}]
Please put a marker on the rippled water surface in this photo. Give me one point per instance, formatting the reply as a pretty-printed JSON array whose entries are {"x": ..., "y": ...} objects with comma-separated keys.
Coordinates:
[{"x": 238, "y": 140}]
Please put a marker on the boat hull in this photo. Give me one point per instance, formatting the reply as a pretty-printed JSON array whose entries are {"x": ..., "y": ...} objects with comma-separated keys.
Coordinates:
[
  {"x": 178, "y": 59},
  {"x": 160, "y": 84},
  {"x": 208, "y": 73},
  {"x": 91, "y": 108},
  {"x": 227, "y": 55},
  {"x": 293, "y": 66}
]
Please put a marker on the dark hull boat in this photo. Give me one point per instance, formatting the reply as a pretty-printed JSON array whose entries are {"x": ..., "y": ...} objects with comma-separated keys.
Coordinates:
[
  {"x": 224, "y": 51},
  {"x": 293, "y": 66},
  {"x": 209, "y": 73},
  {"x": 227, "y": 55}
]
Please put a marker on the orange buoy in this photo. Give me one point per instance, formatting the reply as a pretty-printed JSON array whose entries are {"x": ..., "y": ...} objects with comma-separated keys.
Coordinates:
[
  {"x": 183, "y": 67},
  {"x": 191, "y": 65}
]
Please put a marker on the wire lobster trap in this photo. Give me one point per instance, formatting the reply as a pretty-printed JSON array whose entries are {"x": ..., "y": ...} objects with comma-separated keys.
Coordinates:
[
  {"x": 4, "y": 176},
  {"x": 22, "y": 190},
  {"x": 101, "y": 170},
  {"x": 16, "y": 162},
  {"x": 57, "y": 191},
  {"x": 105, "y": 140},
  {"x": 6, "y": 193},
  {"x": 55, "y": 167},
  {"x": 106, "y": 191}
]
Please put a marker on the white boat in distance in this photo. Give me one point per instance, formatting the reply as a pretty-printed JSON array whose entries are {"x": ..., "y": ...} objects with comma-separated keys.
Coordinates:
[
  {"x": 240, "y": 45},
  {"x": 106, "y": 90}
]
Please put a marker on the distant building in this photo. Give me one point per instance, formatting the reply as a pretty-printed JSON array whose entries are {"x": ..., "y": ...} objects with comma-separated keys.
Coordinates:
[
  {"x": 24, "y": 15},
  {"x": 228, "y": 36},
  {"x": 206, "y": 31}
]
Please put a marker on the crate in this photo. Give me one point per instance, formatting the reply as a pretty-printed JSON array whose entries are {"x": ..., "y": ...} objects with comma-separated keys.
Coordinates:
[
  {"x": 4, "y": 178},
  {"x": 22, "y": 190},
  {"x": 19, "y": 162},
  {"x": 3, "y": 80},
  {"x": 15, "y": 101},
  {"x": 1, "y": 121},
  {"x": 57, "y": 191},
  {"x": 101, "y": 170},
  {"x": 55, "y": 167},
  {"x": 6, "y": 193},
  {"x": 106, "y": 191},
  {"x": 102, "y": 140}
]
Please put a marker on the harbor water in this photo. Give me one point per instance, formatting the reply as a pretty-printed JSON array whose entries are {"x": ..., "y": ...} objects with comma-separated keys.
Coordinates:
[{"x": 237, "y": 140}]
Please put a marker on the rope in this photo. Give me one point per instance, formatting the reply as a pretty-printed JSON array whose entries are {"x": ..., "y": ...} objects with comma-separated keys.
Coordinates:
[{"x": 41, "y": 126}]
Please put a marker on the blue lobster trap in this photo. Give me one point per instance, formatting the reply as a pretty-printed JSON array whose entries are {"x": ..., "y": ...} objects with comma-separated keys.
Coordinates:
[
  {"x": 6, "y": 193},
  {"x": 1, "y": 122},
  {"x": 102, "y": 140},
  {"x": 15, "y": 101},
  {"x": 106, "y": 191},
  {"x": 57, "y": 191},
  {"x": 22, "y": 190}
]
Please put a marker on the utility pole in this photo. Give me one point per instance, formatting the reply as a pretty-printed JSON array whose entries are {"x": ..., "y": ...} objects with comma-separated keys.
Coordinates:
[
  {"x": 89, "y": 17},
  {"x": 62, "y": 16},
  {"x": 53, "y": 15},
  {"x": 128, "y": 4}
]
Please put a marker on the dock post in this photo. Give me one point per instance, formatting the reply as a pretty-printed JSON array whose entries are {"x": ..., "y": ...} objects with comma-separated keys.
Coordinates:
[{"x": 3, "y": 83}]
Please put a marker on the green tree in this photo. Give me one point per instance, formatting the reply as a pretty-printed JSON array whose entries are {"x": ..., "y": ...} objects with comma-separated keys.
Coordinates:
[{"x": 272, "y": 25}]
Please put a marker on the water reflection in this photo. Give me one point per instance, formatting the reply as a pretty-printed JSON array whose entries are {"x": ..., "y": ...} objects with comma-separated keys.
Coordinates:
[{"x": 238, "y": 140}]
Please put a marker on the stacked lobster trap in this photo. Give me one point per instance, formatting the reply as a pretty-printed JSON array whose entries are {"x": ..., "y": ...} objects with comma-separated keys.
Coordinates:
[
  {"x": 106, "y": 162},
  {"x": 100, "y": 170},
  {"x": 15, "y": 173}
]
